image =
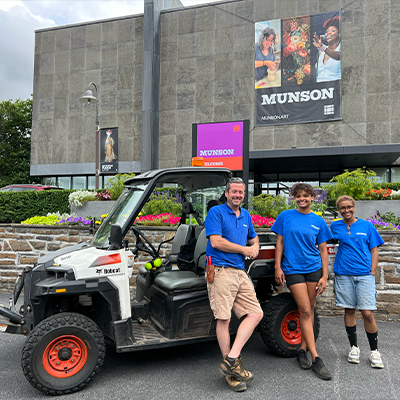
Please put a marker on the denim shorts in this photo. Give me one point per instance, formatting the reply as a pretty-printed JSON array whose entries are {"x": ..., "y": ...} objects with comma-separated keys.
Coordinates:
[{"x": 355, "y": 290}]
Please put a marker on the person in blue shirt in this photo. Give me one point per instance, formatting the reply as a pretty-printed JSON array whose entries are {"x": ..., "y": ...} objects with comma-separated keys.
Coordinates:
[
  {"x": 229, "y": 229},
  {"x": 355, "y": 266},
  {"x": 301, "y": 260}
]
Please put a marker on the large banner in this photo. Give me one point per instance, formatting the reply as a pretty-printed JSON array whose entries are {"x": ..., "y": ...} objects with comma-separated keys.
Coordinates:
[
  {"x": 298, "y": 69},
  {"x": 108, "y": 150}
]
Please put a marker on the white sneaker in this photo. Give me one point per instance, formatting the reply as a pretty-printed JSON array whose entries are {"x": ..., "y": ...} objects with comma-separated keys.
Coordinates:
[
  {"x": 376, "y": 360},
  {"x": 354, "y": 355}
]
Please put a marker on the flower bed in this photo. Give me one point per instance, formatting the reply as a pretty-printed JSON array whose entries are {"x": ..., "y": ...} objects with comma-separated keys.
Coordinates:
[
  {"x": 262, "y": 222},
  {"x": 158, "y": 220},
  {"x": 387, "y": 221},
  {"x": 57, "y": 219}
]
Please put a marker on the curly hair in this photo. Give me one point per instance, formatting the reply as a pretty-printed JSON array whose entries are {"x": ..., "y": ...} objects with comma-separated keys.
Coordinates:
[
  {"x": 298, "y": 187},
  {"x": 267, "y": 32},
  {"x": 334, "y": 21},
  {"x": 344, "y": 198}
]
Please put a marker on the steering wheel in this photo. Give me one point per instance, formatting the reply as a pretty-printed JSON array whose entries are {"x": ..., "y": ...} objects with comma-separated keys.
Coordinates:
[{"x": 146, "y": 246}]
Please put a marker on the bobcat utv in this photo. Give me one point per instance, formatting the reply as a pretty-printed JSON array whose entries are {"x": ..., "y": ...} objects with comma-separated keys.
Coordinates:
[{"x": 76, "y": 298}]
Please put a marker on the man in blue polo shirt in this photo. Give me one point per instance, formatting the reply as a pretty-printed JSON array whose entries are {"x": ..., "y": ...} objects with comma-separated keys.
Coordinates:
[{"x": 229, "y": 229}]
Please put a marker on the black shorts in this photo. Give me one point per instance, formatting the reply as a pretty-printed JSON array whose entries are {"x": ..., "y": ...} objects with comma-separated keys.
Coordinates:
[{"x": 292, "y": 279}]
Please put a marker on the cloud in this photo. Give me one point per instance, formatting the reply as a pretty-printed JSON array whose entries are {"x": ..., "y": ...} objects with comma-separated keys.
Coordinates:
[
  {"x": 20, "y": 18},
  {"x": 17, "y": 49},
  {"x": 71, "y": 11}
]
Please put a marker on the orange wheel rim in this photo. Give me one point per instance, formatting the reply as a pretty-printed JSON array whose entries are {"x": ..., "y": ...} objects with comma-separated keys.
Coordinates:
[
  {"x": 290, "y": 328},
  {"x": 64, "y": 356}
]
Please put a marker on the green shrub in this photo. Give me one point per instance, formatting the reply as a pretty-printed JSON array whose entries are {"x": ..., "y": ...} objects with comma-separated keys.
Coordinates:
[
  {"x": 19, "y": 206},
  {"x": 162, "y": 205},
  {"x": 164, "y": 200},
  {"x": 355, "y": 184},
  {"x": 267, "y": 205},
  {"x": 116, "y": 184},
  {"x": 50, "y": 219}
]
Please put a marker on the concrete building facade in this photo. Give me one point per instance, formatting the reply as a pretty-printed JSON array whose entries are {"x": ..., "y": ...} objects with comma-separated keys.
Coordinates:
[{"x": 205, "y": 57}]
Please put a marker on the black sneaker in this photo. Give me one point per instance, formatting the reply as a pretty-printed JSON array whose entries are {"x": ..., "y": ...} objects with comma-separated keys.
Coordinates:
[
  {"x": 304, "y": 362},
  {"x": 320, "y": 370}
]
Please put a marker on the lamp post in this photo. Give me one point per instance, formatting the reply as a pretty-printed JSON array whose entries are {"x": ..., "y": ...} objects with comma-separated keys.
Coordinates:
[{"x": 89, "y": 98}]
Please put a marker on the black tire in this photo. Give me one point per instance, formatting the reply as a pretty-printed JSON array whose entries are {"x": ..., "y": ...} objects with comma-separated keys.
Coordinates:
[
  {"x": 280, "y": 327},
  {"x": 47, "y": 357}
]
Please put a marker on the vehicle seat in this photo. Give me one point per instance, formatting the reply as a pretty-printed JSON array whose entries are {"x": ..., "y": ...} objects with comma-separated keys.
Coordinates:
[
  {"x": 200, "y": 252},
  {"x": 178, "y": 280},
  {"x": 183, "y": 234}
]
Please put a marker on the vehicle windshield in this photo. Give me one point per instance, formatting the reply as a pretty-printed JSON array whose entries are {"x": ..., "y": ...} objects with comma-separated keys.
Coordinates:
[{"x": 119, "y": 215}]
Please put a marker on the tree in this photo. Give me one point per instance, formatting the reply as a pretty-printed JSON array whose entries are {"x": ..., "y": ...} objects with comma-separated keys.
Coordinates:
[{"x": 15, "y": 141}]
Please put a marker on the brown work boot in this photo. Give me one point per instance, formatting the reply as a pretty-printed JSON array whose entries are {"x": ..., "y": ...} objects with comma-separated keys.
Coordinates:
[
  {"x": 235, "y": 385},
  {"x": 234, "y": 367}
]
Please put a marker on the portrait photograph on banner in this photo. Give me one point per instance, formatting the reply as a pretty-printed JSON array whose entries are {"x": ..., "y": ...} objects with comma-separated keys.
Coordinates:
[
  {"x": 298, "y": 69},
  {"x": 108, "y": 150}
]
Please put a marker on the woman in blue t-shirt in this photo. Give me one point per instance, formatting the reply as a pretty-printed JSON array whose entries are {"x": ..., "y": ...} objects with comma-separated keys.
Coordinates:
[
  {"x": 303, "y": 266},
  {"x": 355, "y": 266}
]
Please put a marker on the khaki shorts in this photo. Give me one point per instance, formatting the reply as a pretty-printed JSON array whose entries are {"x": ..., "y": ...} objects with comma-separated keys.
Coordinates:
[{"x": 232, "y": 290}]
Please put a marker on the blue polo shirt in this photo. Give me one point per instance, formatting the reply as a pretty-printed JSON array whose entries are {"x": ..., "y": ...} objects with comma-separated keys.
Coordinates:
[
  {"x": 221, "y": 220},
  {"x": 354, "y": 253},
  {"x": 301, "y": 234}
]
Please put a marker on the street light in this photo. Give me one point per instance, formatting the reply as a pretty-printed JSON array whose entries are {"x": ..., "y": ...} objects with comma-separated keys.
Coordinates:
[{"x": 89, "y": 99}]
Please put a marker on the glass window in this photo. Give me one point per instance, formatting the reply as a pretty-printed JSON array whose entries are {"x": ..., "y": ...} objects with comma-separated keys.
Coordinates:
[
  {"x": 91, "y": 182},
  {"x": 64, "y": 182},
  {"x": 106, "y": 179},
  {"x": 325, "y": 177},
  {"x": 51, "y": 181},
  {"x": 203, "y": 199},
  {"x": 269, "y": 177},
  {"x": 395, "y": 174},
  {"x": 382, "y": 174},
  {"x": 120, "y": 214},
  {"x": 79, "y": 182},
  {"x": 294, "y": 177}
]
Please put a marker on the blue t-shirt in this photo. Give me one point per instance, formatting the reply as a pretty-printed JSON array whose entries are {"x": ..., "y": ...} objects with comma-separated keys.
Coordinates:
[
  {"x": 354, "y": 253},
  {"x": 221, "y": 220},
  {"x": 301, "y": 235},
  {"x": 262, "y": 71}
]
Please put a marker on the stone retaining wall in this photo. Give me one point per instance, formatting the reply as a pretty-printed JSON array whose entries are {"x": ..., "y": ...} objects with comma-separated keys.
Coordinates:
[{"x": 22, "y": 245}]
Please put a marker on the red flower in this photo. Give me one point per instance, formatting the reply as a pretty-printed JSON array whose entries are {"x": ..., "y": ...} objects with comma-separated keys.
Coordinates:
[
  {"x": 302, "y": 53},
  {"x": 290, "y": 47}
]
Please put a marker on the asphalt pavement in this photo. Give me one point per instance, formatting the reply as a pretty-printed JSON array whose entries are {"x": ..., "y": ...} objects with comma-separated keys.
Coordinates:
[{"x": 190, "y": 372}]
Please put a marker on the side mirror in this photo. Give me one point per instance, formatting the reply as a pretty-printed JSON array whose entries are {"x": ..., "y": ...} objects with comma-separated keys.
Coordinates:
[{"x": 115, "y": 238}]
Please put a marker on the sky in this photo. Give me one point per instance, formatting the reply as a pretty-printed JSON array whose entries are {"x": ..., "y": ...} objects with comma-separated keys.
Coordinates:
[{"x": 20, "y": 18}]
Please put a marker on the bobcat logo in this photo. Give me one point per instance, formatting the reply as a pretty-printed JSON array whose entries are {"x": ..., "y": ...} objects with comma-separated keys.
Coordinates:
[{"x": 98, "y": 271}]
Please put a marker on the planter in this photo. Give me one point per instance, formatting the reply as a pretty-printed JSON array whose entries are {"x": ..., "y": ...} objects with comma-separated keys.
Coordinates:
[
  {"x": 367, "y": 208},
  {"x": 93, "y": 208}
]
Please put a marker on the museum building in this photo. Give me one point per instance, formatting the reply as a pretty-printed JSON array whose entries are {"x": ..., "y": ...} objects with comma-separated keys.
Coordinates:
[{"x": 155, "y": 75}]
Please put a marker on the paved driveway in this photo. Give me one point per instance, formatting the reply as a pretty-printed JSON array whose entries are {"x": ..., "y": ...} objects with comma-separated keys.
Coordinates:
[{"x": 190, "y": 372}]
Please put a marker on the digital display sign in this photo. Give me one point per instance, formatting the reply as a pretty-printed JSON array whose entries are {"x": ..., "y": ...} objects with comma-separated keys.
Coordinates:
[{"x": 221, "y": 144}]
